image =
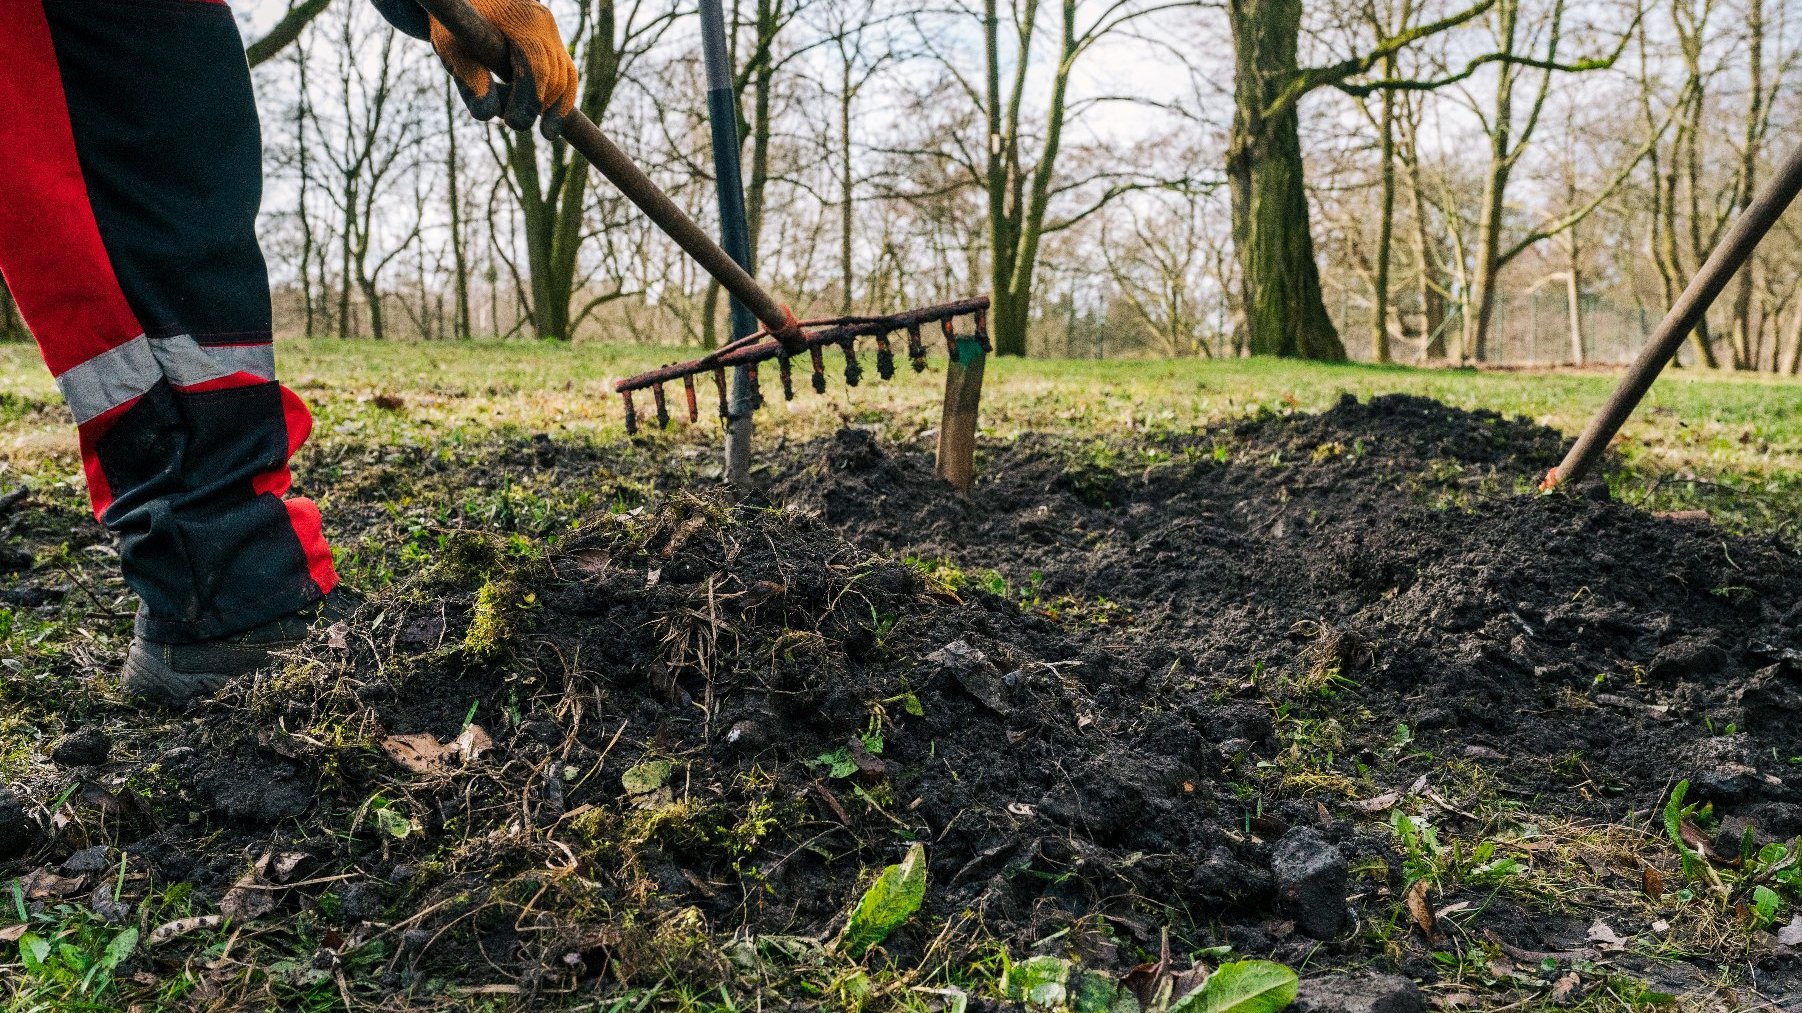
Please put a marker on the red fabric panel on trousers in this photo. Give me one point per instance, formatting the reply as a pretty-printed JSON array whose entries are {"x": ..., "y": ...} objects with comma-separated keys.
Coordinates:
[
  {"x": 50, "y": 247},
  {"x": 100, "y": 491},
  {"x": 307, "y": 527},
  {"x": 302, "y": 514}
]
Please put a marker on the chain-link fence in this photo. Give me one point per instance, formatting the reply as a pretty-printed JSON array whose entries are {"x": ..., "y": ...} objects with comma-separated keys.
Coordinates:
[{"x": 1530, "y": 329}]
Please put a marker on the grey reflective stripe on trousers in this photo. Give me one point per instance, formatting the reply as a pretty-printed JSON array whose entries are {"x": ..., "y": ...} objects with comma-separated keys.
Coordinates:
[{"x": 114, "y": 377}]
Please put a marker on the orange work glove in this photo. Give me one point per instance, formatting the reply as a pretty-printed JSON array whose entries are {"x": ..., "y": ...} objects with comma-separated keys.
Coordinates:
[{"x": 544, "y": 76}]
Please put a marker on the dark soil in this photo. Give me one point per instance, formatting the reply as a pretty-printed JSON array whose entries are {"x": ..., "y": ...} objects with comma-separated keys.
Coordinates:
[{"x": 1118, "y": 691}]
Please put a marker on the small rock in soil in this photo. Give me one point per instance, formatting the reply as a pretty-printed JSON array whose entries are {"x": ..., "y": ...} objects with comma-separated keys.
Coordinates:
[
  {"x": 1362, "y": 992},
  {"x": 1312, "y": 881},
  {"x": 19, "y": 833},
  {"x": 84, "y": 747},
  {"x": 971, "y": 668},
  {"x": 359, "y": 902},
  {"x": 1688, "y": 656},
  {"x": 91, "y": 859},
  {"x": 1719, "y": 771}
]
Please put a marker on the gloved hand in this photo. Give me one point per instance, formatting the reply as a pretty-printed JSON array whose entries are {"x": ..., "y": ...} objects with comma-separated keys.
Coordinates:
[{"x": 544, "y": 76}]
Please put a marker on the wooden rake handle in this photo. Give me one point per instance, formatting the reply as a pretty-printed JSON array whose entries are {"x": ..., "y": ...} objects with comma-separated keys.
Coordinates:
[{"x": 488, "y": 45}]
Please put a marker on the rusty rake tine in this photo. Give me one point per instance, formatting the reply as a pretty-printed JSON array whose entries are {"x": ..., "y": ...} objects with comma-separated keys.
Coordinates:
[
  {"x": 719, "y": 384},
  {"x": 784, "y": 364},
  {"x": 662, "y": 407},
  {"x": 631, "y": 413},
  {"x": 688, "y": 394},
  {"x": 916, "y": 348},
  {"x": 853, "y": 368},
  {"x": 885, "y": 357},
  {"x": 819, "y": 369},
  {"x": 982, "y": 330}
]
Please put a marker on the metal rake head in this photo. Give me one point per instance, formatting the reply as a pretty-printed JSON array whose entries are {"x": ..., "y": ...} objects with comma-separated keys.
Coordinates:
[{"x": 816, "y": 337}]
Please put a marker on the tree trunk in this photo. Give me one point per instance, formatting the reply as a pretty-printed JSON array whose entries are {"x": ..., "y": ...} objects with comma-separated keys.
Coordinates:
[
  {"x": 1285, "y": 313},
  {"x": 1573, "y": 291},
  {"x": 12, "y": 326},
  {"x": 1426, "y": 261},
  {"x": 847, "y": 188},
  {"x": 552, "y": 206},
  {"x": 462, "y": 326},
  {"x": 1748, "y": 178}
]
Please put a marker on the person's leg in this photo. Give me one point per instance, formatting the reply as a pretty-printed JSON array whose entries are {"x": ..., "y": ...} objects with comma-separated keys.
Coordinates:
[{"x": 129, "y": 185}]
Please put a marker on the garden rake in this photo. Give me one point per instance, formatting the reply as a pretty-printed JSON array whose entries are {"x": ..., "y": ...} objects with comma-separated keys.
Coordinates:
[{"x": 782, "y": 336}]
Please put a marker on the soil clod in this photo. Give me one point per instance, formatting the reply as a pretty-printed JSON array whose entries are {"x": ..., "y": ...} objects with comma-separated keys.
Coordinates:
[
  {"x": 84, "y": 747},
  {"x": 1312, "y": 879}
]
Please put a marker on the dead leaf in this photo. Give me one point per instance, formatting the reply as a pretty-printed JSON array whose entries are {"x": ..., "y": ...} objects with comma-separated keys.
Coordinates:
[
  {"x": 1791, "y": 934},
  {"x": 1457, "y": 1000},
  {"x": 388, "y": 402},
  {"x": 1380, "y": 803},
  {"x": 1651, "y": 882},
  {"x": 757, "y": 594},
  {"x": 182, "y": 926},
  {"x": 1186, "y": 982},
  {"x": 280, "y": 867},
  {"x": 424, "y": 754},
  {"x": 472, "y": 743},
  {"x": 42, "y": 884},
  {"x": 1565, "y": 989},
  {"x": 110, "y": 909},
  {"x": 249, "y": 898},
  {"x": 419, "y": 752},
  {"x": 870, "y": 768},
  {"x": 11, "y": 933},
  {"x": 592, "y": 562},
  {"x": 1420, "y": 909},
  {"x": 1142, "y": 982},
  {"x": 684, "y": 532},
  {"x": 1500, "y": 968},
  {"x": 337, "y": 636},
  {"x": 1603, "y": 933}
]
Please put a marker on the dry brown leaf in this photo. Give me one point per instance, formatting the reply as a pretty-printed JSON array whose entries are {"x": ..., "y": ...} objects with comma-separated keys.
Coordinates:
[
  {"x": 388, "y": 402},
  {"x": 280, "y": 867},
  {"x": 1420, "y": 909},
  {"x": 592, "y": 562},
  {"x": 684, "y": 532},
  {"x": 1602, "y": 933},
  {"x": 42, "y": 884},
  {"x": 1565, "y": 989},
  {"x": 419, "y": 752},
  {"x": 11, "y": 933},
  {"x": 1652, "y": 882},
  {"x": 248, "y": 899},
  {"x": 1381, "y": 803},
  {"x": 472, "y": 743}
]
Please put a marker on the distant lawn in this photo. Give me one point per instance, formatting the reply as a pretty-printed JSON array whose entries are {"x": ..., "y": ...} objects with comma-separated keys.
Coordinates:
[{"x": 1732, "y": 444}]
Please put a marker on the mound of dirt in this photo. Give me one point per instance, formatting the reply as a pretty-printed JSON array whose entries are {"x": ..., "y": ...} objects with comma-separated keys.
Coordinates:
[{"x": 1171, "y": 685}]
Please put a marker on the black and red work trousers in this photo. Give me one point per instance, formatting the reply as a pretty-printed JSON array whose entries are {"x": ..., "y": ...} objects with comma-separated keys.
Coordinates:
[{"x": 130, "y": 175}]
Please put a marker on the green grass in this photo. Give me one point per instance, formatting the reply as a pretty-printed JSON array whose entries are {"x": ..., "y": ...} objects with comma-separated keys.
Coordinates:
[{"x": 1732, "y": 444}]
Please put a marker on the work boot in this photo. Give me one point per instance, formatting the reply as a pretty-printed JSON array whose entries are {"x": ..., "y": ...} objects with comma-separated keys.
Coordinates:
[{"x": 176, "y": 676}]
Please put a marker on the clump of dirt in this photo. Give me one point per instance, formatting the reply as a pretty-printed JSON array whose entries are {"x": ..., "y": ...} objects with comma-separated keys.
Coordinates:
[{"x": 1172, "y": 685}]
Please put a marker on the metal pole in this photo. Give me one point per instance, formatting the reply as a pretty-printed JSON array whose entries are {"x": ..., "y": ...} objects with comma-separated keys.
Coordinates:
[
  {"x": 1677, "y": 324},
  {"x": 735, "y": 231}
]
